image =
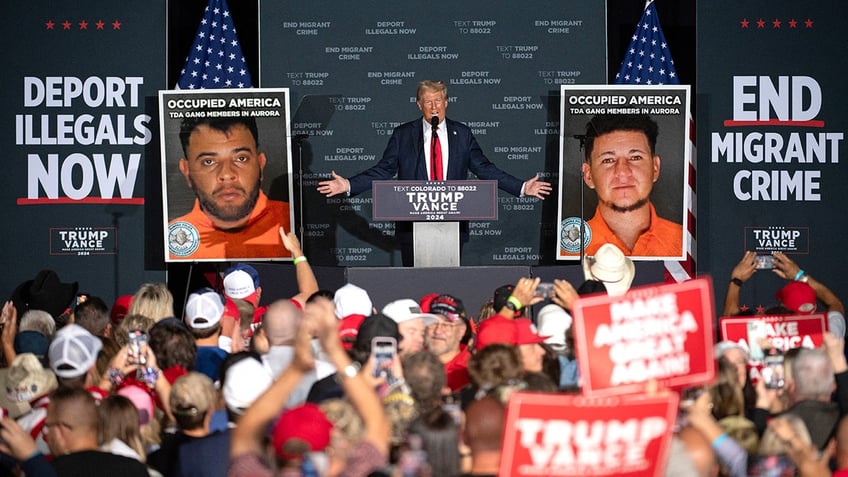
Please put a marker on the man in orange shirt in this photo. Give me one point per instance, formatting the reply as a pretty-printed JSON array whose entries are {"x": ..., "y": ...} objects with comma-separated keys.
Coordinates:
[
  {"x": 232, "y": 217},
  {"x": 622, "y": 165}
]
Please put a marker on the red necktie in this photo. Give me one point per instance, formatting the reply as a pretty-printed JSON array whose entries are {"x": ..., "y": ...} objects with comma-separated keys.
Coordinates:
[{"x": 436, "y": 157}]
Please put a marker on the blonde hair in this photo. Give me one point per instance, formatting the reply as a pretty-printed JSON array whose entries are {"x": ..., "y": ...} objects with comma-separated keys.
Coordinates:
[
  {"x": 345, "y": 419},
  {"x": 152, "y": 300},
  {"x": 119, "y": 420},
  {"x": 192, "y": 396},
  {"x": 741, "y": 430},
  {"x": 246, "y": 310},
  {"x": 772, "y": 444},
  {"x": 151, "y": 433},
  {"x": 431, "y": 85},
  {"x": 131, "y": 323},
  {"x": 487, "y": 310}
]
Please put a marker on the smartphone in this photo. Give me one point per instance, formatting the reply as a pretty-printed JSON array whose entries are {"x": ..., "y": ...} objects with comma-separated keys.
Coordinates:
[
  {"x": 451, "y": 404},
  {"x": 136, "y": 347},
  {"x": 688, "y": 396},
  {"x": 769, "y": 465},
  {"x": 412, "y": 459},
  {"x": 544, "y": 290},
  {"x": 383, "y": 355},
  {"x": 756, "y": 333},
  {"x": 765, "y": 262},
  {"x": 774, "y": 373}
]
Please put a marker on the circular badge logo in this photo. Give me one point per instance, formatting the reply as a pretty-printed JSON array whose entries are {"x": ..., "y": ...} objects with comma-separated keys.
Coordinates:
[
  {"x": 569, "y": 239},
  {"x": 183, "y": 239}
]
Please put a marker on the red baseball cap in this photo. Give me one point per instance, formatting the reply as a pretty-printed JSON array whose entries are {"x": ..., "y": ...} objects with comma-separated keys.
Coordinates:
[
  {"x": 349, "y": 328},
  {"x": 525, "y": 332},
  {"x": 119, "y": 309},
  {"x": 307, "y": 423},
  {"x": 495, "y": 329},
  {"x": 798, "y": 297},
  {"x": 499, "y": 329}
]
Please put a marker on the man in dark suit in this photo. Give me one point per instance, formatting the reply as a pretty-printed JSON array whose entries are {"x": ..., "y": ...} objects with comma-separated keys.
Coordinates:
[{"x": 407, "y": 158}]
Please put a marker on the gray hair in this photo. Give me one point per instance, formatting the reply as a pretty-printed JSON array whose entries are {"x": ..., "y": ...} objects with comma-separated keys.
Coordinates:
[
  {"x": 813, "y": 374},
  {"x": 40, "y": 321}
]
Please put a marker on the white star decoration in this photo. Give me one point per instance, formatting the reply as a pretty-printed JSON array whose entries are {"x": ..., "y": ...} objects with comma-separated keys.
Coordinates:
[
  {"x": 648, "y": 42},
  {"x": 215, "y": 40}
]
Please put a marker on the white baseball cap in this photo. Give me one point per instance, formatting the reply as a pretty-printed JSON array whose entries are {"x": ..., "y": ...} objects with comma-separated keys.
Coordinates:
[
  {"x": 73, "y": 351},
  {"x": 352, "y": 300},
  {"x": 204, "y": 309},
  {"x": 407, "y": 309}
]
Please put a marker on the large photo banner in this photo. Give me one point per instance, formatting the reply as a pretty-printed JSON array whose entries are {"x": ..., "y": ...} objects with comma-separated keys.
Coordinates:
[
  {"x": 663, "y": 333},
  {"x": 353, "y": 69},
  {"x": 575, "y": 436},
  {"x": 771, "y": 139},
  {"x": 623, "y": 170},
  {"x": 79, "y": 125},
  {"x": 226, "y": 174}
]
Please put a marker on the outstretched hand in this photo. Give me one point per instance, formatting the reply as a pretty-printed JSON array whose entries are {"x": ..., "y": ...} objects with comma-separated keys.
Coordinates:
[
  {"x": 564, "y": 294},
  {"x": 304, "y": 358},
  {"x": 9, "y": 321},
  {"x": 784, "y": 267},
  {"x": 15, "y": 441},
  {"x": 335, "y": 186},
  {"x": 746, "y": 267},
  {"x": 525, "y": 291},
  {"x": 533, "y": 187},
  {"x": 291, "y": 242},
  {"x": 321, "y": 320}
]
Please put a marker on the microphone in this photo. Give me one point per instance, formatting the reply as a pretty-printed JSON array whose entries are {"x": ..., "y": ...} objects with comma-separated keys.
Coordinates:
[{"x": 434, "y": 121}]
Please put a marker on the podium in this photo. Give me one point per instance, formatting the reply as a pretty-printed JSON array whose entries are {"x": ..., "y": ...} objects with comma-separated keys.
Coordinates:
[{"x": 436, "y": 208}]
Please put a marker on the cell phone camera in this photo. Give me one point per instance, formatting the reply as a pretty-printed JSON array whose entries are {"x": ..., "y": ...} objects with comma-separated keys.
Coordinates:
[
  {"x": 544, "y": 290},
  {"x": 765, "y": 262}
]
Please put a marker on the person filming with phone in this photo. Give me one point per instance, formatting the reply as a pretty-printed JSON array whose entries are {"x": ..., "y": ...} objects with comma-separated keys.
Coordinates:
[{"x": 799, "y": 296}]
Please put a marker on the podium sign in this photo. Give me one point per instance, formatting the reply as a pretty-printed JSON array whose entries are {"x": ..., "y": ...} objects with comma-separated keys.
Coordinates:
[{"x": 435, "y": 201}]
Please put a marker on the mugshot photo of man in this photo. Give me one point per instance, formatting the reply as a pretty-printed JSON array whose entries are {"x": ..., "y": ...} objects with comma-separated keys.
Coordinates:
[
  {"x": 621, "y": 165},
  {"x": 232, "y": 217}
]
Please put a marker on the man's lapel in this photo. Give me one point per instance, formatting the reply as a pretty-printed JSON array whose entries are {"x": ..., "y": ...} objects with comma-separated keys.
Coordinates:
[{"x": 420, "y": 161}]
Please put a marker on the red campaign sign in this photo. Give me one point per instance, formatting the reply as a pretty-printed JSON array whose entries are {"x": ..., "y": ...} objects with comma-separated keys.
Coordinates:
[
  {"x": 783, "y": 331},
  {"x": 659, "y": 332},
  {"x": 570, "y": 435}
]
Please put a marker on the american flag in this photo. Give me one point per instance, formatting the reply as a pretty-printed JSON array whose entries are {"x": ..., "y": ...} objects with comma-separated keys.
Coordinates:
[
  {"x": 648, "y": 62},
  {"x": 215, "y": 59}
]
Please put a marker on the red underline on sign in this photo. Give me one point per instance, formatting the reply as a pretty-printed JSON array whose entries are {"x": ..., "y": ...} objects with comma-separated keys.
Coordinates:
[
  {"x": 87, "y": 200},
  {"x": 775, "y": 122}
]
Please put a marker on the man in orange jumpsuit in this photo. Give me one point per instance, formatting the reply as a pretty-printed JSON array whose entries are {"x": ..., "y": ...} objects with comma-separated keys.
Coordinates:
[
  {"x": 622, "y": 165},
  {"x": 232, "y": 217}
]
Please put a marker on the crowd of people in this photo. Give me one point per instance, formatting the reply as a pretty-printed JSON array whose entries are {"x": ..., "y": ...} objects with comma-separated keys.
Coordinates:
[{"x": 328, "y": 383}]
